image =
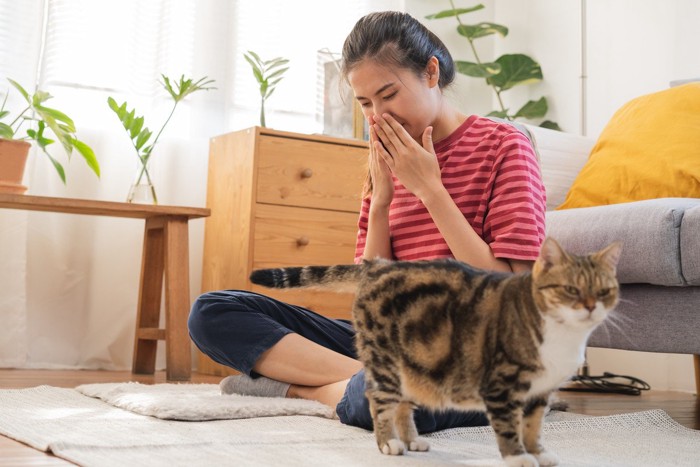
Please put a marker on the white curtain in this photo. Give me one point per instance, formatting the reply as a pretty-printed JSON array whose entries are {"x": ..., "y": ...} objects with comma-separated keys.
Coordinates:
[{"x": 68, "y": 283}]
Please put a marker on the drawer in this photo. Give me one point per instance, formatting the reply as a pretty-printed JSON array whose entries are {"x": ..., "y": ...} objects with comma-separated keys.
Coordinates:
[
  {"x": 330, "y": 304},
  {"x": 289, "y": 236},
  {"x": 295, "y": 172}
]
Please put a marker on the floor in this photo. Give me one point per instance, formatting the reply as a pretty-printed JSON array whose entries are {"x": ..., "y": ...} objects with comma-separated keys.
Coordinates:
[{"x": 682, "y": 407}]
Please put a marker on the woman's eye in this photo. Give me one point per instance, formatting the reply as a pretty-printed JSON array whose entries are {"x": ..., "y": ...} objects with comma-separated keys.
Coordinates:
[
  {"x": 571, "y": 290},
  {"x": 387, "y": 97}
]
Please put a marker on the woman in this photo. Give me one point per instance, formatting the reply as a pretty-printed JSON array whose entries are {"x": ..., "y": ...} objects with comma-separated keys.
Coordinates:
[{"x": 441, "y": 184}]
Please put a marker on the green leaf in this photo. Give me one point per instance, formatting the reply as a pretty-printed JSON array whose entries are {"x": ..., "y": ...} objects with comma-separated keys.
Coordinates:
[
  {"x": 255, "y": 56},
  {"x": 515, "y": 69},
  {"x": 58, "y": 116},
  {"x": 20, "y": 89},
  {"x": 88, "y": 154},
  {"x": 551, "y": 125},
  {"x": 6, "y": 131},
  {"x": 136, "y": 127},
  {"x": 476, "y": 70},
  {"x": 113, "y": 105},
  {"x": 454, "y": 12},
  {"x": 39, "y": 98},
  {"x": 142, "y": 138},
  {"x": 481, "y": 30},
  {"x": 498, "y": 114},
  {"x": 533, "y": 109},
  {"x": 277, "y": 73},
  {"x": 58, "y": 166},
  {"x": 4, "y": 113}
]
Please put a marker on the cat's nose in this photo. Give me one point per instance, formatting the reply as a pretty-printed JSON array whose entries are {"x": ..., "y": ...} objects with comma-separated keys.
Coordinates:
[{"x": 589, "y": 303}]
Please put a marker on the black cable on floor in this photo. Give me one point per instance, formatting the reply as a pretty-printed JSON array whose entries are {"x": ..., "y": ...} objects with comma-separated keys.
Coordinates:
[{"x": 606, "y": 383}]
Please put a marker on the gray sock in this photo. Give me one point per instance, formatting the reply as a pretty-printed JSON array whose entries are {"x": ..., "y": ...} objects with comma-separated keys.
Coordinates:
[{"x": 247, "y": 386}]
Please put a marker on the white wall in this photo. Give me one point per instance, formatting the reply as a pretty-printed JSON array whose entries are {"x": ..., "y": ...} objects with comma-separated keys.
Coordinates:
[{"x": 633, "y": 47}]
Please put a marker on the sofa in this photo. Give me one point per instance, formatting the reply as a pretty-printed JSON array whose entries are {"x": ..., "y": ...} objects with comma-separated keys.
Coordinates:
[{"x": 659, "y": 269}]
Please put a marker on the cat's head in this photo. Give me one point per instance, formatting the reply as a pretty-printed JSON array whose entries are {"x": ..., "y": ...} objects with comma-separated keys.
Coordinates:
[{"x": 576, "y": 290}]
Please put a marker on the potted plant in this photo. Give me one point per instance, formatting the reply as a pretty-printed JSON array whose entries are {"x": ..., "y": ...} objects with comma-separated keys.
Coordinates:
[
  {"x": 504, "y": 73},
  {"x": 267, "y": 73},
  {"x": 14, "y": 147},
  {"x": 142, "y": 189}
]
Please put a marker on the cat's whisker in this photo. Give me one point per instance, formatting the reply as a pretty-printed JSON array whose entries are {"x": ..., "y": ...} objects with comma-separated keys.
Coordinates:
[{"x": 611, "y": 321}]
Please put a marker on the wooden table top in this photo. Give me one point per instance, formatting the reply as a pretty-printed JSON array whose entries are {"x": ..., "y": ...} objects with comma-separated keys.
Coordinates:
[{"x": 97, "y": 208}]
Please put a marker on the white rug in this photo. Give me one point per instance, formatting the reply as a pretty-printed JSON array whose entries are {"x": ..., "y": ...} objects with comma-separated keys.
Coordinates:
[
  {"x": 91, "y": 432},
  {"x": 198, "y": 402}
]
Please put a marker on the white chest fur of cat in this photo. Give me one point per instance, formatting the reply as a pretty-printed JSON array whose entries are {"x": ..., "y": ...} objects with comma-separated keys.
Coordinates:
[{"x": 563, "y": 350}]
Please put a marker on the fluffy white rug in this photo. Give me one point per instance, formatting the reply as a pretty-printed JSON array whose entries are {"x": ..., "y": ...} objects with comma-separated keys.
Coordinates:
[
  {"x": 91, "y": 432},
  {"x": 198, "y": 402}
]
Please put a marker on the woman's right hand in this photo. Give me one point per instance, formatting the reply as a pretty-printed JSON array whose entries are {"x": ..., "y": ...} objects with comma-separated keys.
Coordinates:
[{"x": 379, "y": 171}]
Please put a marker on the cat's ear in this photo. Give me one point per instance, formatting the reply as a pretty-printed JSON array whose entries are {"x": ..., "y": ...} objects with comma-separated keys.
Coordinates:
[
  {"x": 551, "y": 254},
  {"x": 610, "y": 255}
]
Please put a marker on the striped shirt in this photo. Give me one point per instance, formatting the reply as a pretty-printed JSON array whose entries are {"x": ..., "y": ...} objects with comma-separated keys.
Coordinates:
[{"x": 491, "y": 172}]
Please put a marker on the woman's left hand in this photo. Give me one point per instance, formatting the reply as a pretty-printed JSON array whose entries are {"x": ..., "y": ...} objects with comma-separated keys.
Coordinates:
[{"x": 414, "y": 165}]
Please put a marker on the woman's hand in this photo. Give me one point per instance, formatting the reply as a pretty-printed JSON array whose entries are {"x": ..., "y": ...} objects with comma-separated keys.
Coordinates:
[
  {"x": 382, "y": 181},
  {"x": 416, "y": 167}
]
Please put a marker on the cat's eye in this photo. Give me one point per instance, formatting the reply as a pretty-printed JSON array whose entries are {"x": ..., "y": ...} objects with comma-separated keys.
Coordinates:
[
  {"x": 570, "y": 289},
  {"x": 603, "y": 292}
]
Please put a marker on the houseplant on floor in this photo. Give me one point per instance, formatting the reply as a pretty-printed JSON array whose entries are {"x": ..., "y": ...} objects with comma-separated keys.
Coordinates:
[
  {"x": 143, "y": 190},
  {"x": 14, "y": 147}
]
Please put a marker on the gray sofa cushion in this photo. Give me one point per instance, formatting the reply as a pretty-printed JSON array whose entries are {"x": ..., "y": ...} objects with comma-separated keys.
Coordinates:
[
  {"x": 650, "y": 231},
  {"x": 690, "y": 245}
]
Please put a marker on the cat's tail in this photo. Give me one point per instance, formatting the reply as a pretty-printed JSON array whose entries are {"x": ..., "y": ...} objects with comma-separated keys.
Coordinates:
[{"x": 339, "y": 277}]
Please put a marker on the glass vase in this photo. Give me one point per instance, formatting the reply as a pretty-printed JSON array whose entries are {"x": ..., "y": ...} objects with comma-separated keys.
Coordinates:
[{"x": 142, "y": 191}]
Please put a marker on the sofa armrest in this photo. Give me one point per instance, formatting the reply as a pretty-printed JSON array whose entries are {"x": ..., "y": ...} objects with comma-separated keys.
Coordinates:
[
  {"x": 562, "y": 156},
  {"x": 659, "y": 246}
]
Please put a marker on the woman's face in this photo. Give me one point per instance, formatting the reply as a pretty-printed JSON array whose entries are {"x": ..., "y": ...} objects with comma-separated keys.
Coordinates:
[{"x": 412, "y": 100}]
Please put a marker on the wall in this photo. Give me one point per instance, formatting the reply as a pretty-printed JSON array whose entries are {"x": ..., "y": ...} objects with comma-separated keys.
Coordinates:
[{"x": 632, "y": 47}]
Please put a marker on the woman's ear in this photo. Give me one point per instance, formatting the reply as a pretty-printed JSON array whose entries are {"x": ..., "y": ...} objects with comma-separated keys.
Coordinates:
[{"x": 432, "y": 71}]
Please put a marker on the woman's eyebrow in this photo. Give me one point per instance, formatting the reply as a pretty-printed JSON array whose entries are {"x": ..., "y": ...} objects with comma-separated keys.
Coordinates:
[{"x": 379, "y": 91}]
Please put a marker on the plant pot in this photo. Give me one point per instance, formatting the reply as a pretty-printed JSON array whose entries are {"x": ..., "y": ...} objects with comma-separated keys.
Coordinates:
[{"x": 13, "y": 159}]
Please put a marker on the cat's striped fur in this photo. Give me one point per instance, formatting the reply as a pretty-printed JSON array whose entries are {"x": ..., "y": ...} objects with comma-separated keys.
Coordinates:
[{"x": 444, "y": 335}]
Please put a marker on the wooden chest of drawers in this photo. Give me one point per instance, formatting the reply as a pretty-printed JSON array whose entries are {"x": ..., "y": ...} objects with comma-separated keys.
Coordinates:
[{"x": 281, "y": 199}]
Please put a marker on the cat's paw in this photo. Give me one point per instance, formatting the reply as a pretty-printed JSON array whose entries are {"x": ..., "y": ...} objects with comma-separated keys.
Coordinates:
[
  {"x": 522, "y": 460},
  {"x": 547, "y": 459},
  {"x": 393, "y": 447},
  {"x": 419, "y": 444}
]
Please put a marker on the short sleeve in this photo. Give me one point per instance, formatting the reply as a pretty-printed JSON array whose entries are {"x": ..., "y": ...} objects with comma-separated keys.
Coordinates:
[{"x": 515, "y": 222}]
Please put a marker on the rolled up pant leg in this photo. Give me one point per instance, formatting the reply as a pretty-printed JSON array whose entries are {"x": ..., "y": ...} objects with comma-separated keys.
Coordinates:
[
  {"x": 235, "y": 327},
  {"x": 353, "y": 409}
]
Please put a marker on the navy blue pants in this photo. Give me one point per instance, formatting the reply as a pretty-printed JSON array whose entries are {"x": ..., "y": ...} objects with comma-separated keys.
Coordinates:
[{"x": 235, "y": 327}]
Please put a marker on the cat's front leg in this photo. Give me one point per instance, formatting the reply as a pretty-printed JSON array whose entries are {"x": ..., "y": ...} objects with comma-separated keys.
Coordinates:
[
  {"x": 383, "y": 411},
  {"x": 533, "y": 416},
  {"x": 506, "y": 415},
  {"x": 406, "y": 427}
]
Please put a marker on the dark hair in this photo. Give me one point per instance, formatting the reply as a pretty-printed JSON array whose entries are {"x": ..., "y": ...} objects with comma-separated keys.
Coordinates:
[{"x": 396, "y": 38}]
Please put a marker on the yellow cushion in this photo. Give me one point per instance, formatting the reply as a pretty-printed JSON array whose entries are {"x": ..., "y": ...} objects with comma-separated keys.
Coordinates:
[{"x": 649, "y": 149}]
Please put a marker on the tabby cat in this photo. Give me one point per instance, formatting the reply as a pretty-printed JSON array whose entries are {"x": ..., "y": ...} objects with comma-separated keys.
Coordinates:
[{"x": 442, "y": 334}]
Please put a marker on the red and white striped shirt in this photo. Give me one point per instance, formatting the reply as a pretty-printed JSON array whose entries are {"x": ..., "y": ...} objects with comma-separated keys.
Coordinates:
[{"x": 491, "y": 172}]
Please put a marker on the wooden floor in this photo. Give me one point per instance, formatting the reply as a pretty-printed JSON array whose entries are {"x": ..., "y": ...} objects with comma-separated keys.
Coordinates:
[{"x": 683, "y": 407}]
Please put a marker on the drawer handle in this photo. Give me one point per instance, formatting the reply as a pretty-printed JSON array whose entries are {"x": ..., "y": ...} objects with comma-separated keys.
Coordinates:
[
  {"x": 302, "y": 241},
  {"x": 307, "y": 173}
]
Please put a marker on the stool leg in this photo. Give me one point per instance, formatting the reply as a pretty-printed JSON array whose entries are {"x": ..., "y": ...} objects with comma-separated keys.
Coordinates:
[
  {"x": 178, "y": 349},
  {"x": 696, "y": 361},
  {"x": 150, "y": 293}
]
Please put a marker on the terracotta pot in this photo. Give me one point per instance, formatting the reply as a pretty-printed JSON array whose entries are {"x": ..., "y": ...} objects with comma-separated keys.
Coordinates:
[{"x": 13, "y": 158}]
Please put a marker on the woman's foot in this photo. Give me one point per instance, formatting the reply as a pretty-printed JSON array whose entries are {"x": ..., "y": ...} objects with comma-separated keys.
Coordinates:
[{"x": 247, "y": 386}]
